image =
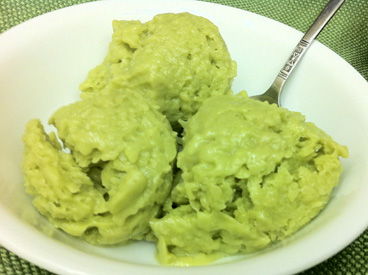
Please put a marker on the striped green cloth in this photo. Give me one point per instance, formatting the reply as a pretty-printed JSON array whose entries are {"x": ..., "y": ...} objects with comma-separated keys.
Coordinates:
[{"x": 346, "y": 34}]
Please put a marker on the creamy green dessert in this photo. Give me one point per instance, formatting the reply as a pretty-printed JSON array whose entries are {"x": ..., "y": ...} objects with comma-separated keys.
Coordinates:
[
  {"x": 177, "y": 60},
  {"x": 115, "y": 177},
  {"x": 251, "y": 174}
]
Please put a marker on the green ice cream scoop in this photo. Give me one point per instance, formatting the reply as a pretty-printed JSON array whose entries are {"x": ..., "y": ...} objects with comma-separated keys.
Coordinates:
[
  {"x": 177, "y": 60},
  {"x": 251, "y": 174},
  {"x": 115, "y": 173}
]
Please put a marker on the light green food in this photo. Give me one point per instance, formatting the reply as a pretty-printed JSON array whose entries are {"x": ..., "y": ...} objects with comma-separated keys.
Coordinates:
[
  {"x": 251, "y": 174},
  {"x": 117, "y": 176},
  {"x": 178, "y": 60}
]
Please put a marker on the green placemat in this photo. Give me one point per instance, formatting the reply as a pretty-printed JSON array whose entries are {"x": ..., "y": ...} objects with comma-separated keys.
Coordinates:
[{"x": 346, "y": 34}]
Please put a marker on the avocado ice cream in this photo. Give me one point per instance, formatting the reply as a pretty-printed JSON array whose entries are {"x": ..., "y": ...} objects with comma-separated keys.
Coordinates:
[
  {"x": 177, "y": 60},
  {"x": 115, "y": 177},
  {"x": 250, "y": 174}
]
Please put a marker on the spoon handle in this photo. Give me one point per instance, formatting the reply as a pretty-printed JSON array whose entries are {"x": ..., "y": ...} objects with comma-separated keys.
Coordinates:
[{"x": 307, "y": 39}]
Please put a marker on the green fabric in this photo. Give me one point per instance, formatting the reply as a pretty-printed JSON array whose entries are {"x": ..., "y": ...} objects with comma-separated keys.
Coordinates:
[{"x": 346, "y": 34}]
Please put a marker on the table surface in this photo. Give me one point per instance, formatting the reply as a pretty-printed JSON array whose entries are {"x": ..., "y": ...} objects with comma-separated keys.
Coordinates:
[{"x": 346, "y": 34}]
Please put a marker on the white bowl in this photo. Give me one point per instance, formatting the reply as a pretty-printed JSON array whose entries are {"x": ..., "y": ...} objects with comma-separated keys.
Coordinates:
[{"x": 42, "y": 63}]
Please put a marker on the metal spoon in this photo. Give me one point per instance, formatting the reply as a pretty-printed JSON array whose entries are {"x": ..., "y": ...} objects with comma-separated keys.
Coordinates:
[{"x": 273, "y": 94}]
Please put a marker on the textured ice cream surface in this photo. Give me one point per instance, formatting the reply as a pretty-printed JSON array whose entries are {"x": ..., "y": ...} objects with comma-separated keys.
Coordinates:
[
  {"x": 251, "y": 174},
  {"x": 177, "y": 60},
  {"x": 115, "y": 177}
]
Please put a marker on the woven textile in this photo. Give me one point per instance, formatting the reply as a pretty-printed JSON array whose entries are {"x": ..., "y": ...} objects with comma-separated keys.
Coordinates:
[{"x": 346, "y": 34}]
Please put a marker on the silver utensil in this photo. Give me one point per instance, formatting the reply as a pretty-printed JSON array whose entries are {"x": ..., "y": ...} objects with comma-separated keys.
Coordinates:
[{"x": 273, "y": 94}]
